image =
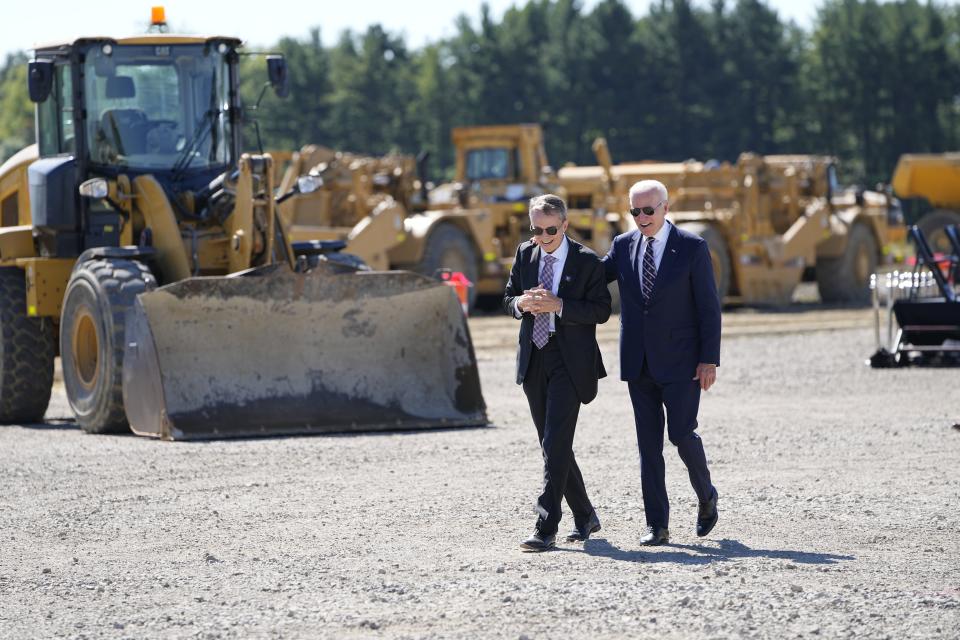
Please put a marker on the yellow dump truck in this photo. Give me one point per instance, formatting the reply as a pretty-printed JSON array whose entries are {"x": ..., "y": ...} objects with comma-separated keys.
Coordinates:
[
  {"x": 930, "y": 186},
  {"x": 137, "y": 232}
]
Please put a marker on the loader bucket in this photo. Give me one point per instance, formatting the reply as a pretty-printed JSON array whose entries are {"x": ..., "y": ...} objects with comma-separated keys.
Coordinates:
[{"x": 271, "y": 352}]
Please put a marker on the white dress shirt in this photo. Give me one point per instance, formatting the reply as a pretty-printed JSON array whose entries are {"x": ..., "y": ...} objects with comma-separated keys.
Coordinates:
[
  {"x": 658, "y": 248},
  {"x": 561, "y": 258}
]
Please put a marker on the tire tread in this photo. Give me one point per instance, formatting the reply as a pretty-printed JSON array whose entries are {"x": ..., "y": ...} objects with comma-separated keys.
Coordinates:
[
  {"x": 835, "y": 276},
  {"x": 119, "y": 281},
  {"x": 27, "y": 353}
]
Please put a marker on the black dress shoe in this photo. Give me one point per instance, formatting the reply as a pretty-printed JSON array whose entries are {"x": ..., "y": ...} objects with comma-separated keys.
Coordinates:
[
  {"x": 707, "y": 515},
  {"x": 655, "y": 536},
  {"x": 582, "y": 533},
  {"x": 539, "y": 542}
]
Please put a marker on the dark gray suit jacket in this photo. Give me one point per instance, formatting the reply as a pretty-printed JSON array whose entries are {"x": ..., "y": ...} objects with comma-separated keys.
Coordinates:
[{"x": 586, "y": 303}]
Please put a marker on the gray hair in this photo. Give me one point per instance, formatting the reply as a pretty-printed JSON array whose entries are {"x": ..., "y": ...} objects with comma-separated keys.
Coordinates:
[
  {"x": 549, "y": 204},
  {"x": 647, "y": 185}
]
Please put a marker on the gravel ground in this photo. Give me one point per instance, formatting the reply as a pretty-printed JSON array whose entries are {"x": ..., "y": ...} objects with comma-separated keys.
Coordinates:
[{"x": 839, "y": 498}]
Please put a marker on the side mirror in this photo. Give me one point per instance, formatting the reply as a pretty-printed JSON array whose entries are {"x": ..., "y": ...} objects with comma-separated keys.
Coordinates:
[
  {"x": 277, "y": 72},
  {"x": 40, "y": 79}
]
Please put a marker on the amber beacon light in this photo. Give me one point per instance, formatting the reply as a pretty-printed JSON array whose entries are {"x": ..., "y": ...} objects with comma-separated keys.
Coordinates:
[{"x": 158, "y": 16}]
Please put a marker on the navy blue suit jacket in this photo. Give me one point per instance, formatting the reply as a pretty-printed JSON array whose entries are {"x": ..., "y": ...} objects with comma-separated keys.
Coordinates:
[{"x": 680, "y": 326}]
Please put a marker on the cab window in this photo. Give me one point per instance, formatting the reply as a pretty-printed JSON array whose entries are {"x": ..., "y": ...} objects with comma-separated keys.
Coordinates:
[
  {"x": 55, "y": 116},
  {"x": 488, "y": 164}
]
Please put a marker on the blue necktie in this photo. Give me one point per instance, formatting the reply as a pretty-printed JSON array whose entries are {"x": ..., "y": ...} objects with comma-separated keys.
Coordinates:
[{"x": 649, "y": 271}]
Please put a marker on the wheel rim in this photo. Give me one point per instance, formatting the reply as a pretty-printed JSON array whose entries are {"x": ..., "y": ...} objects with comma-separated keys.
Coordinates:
[
  {"x": 939, "y": 242},
  {"x": 86, "y": 349}
]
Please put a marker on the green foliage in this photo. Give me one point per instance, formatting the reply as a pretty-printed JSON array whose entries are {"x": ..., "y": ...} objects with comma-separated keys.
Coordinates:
[
  {"x": 869, "y": 81},
  {"x": 881, "y": 81},
  {"x": 16, "y": 110}
]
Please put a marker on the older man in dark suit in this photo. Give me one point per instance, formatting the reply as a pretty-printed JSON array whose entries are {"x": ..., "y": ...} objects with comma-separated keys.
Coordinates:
[
  {"x": 669, "y": 348},
  {"x": 558, "y": 291}
]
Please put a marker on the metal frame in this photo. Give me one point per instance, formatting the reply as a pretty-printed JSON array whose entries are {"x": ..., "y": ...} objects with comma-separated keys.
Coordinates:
[{"x": 924, "y": 302}]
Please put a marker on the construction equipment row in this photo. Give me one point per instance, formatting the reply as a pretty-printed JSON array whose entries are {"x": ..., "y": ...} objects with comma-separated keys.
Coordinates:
[{"x": 769, "y": 220}]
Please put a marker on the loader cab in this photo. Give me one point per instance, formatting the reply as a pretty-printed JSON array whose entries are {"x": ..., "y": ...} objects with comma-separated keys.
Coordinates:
[
  {"x": 499, "y": 164},
  {"x": 161, "y": 105}
]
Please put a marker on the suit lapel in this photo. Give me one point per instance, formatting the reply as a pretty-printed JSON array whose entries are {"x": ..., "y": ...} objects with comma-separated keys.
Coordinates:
[
  {"x": 635, "y": 266},
  {"x": 569, "y": 266}
]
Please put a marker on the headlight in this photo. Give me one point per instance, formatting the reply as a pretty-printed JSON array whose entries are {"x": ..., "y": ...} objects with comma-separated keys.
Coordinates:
[{"x": 94, "y": 188}]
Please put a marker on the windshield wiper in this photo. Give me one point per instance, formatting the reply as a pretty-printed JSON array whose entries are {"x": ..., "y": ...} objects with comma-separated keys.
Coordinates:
[
  {"x": 200, "y": 132},
  {"x": 199, "y": 136}
]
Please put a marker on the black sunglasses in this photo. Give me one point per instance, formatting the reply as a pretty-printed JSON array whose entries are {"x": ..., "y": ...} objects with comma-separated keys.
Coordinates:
[
  {"x": 647, "y": 211},
  {"x": 538, "y": 231}
]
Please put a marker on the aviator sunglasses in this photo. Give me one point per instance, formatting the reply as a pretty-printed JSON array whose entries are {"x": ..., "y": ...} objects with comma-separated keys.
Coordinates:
[
  {"x": 647, "y": 211},
  {"x": 538, "y": 231}
]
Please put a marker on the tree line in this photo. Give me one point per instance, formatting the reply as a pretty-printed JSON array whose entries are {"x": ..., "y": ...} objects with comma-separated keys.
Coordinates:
[{"x": 866, "y": 82}]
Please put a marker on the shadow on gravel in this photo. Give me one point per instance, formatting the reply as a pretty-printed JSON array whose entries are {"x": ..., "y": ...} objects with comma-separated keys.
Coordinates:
[
  {"x": 689, "y": 554},
  {"x": 339, "y": 434},
  {"x": 53, "y": 424},
  {"x": 68, "y": 424}
]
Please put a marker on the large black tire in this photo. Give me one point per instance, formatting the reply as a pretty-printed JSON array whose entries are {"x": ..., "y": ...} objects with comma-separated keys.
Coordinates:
[
  {"x": 933, "y": 224},
  {"x": 92, "y": 329},
  {"x": 448, "y": 247},
  {"x": 27, "y": 351},
  {"x": 719, "y": 254},
  {"x": 846, "y": 278}
]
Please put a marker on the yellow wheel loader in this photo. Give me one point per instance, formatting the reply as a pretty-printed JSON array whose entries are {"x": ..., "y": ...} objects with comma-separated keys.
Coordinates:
[{"x": 137, "y": 232}]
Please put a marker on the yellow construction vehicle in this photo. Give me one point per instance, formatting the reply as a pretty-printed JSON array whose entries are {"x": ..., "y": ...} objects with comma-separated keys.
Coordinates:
[
  {"x": 138, "y": 231},
  {"x": 766, "y": 219},
  {"x": 929, "y": 184},
  {"x": 387, "y": 215},
  {"x": 498, "y": 169},
  {"x": 360, "y": 200}
]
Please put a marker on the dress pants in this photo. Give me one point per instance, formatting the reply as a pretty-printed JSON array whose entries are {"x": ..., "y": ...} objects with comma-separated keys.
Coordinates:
[
  {"x": 682, "y": 401},
  {"x": 554, "y": 406}
]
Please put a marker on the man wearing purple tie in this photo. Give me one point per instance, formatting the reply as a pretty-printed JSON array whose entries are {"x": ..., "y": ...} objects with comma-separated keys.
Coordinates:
[
  {"x": 669, "y": 348},
  {"x": 558, "y": 291}
]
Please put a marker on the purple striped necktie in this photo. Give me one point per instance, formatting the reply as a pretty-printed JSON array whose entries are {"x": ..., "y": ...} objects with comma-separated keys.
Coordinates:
[
  {"x": 649, "y": 270},
  {"x": 541, "y": 323}
]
